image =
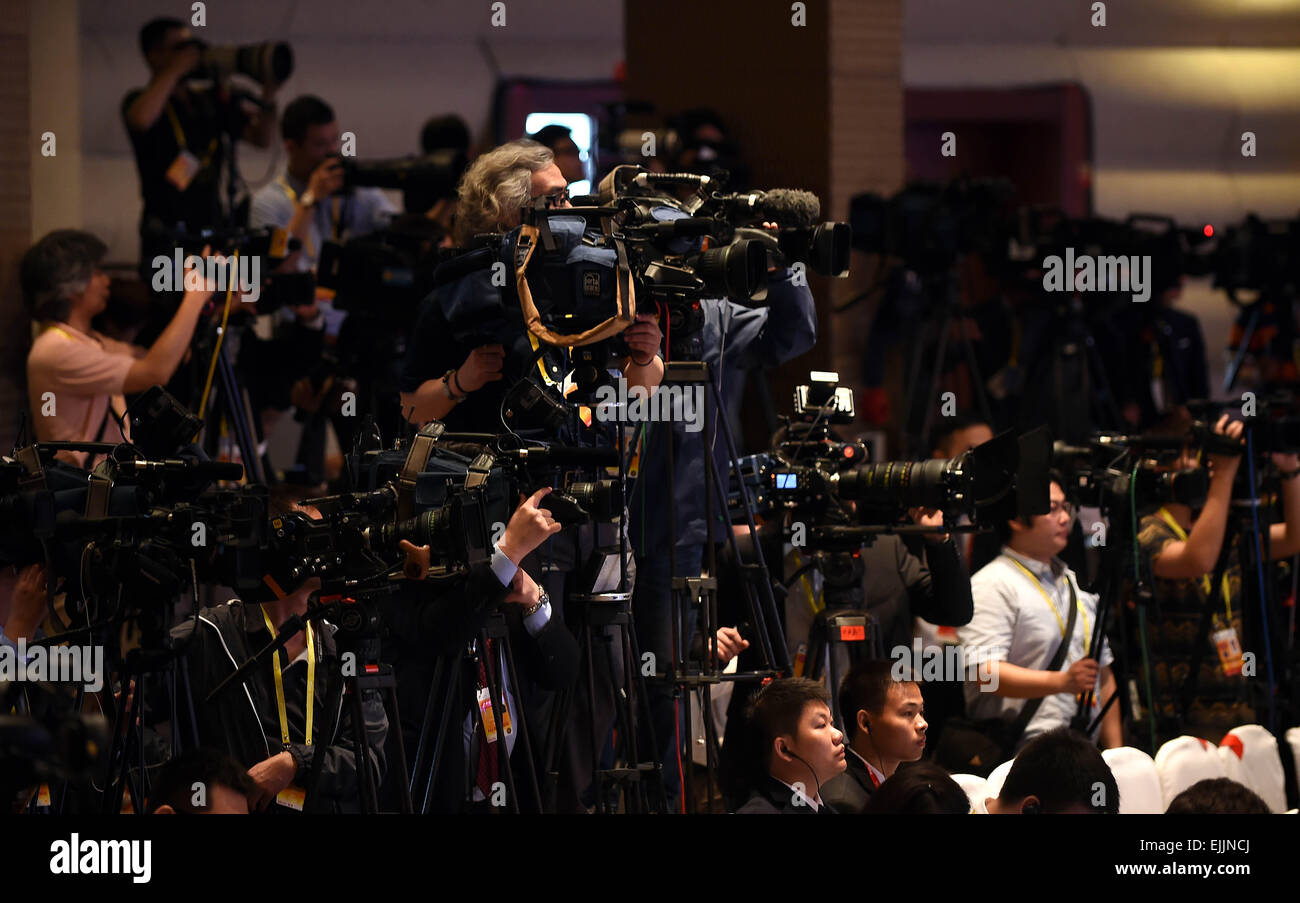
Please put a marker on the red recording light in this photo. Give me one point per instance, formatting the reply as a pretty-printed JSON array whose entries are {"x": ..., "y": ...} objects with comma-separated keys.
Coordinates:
[{"x": 1208, "y": 230}]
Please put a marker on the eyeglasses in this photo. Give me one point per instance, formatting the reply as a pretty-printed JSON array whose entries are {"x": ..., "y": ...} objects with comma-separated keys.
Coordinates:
[
  {"x": 1058, "y": 507},
  {"x": 558, "y": 199}
]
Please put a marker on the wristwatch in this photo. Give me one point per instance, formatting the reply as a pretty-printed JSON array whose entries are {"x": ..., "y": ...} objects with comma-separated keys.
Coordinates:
[
  {"x": 534, "y": 609},
  {"x": 307, "y": 199}
]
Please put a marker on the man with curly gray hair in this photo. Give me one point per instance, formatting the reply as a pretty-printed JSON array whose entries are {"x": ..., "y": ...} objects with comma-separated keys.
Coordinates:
[{"x": 501, "y": 182}]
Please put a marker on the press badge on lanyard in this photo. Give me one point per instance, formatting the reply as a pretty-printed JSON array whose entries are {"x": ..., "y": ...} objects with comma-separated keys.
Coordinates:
[
  {"x": 490, "y": 723},
  {"x": 183, "y": 170}
]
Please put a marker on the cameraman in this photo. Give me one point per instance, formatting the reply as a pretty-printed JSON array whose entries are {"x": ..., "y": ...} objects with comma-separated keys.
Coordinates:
[
  {"x": 306, "y": 199},
  {"x": 733, "y": 339},
  {"x": 263, "y": 722},
  {"x": 544, "y": 652},
  {"x": 177, "y": 136},
  {"x": 464, "y": 387},
  {"x": 76, "y": 378},
  {"x": 1184, "y": 549}
]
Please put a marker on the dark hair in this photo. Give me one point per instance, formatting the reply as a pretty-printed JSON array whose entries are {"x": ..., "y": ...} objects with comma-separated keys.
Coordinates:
[
  {"x": 551, "y": 135},
  {"x": 944, "y": 430},
  {"x": 303, "y": 112},
  {"x": 155, "y": 31},
  {"x": 1218, "y": 796},
  {"x": 1062, "y": 768},
  {"x": 920, "y": 789},
  {"x": 865, "y": 687},
  {"x": 55, "y": 268},
  {"x": 777, "y": 708},
  {"x": 174, "y": 782},
  {"x": 1004, "y": 527},
  {"x": 448, "y": 132}
]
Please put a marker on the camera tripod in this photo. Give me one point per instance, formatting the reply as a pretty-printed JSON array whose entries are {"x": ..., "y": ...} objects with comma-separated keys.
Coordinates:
[
  {"x": 694, "y": 600},
  {"x": 458, "y": 676}
]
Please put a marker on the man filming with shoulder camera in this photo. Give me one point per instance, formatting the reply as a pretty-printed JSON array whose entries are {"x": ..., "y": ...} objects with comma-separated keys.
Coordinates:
[{"x": 179, "y": 131}]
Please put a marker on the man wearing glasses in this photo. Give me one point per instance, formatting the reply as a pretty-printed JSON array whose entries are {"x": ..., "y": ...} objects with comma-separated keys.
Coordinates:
[{"x": 1022, "y": 615}]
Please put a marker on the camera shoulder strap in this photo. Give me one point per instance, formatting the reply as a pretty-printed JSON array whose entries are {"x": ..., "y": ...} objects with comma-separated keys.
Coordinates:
[
  {"x": 416, "y": 459},
  {"x": 626, "y": 297},
  {"x": 1058, "y": 658}
]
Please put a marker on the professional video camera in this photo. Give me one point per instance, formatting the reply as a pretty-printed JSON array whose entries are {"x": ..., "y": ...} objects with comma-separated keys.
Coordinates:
[
  {"x": 577, "y": 269},
  {"x": 1000, "y": 479}
]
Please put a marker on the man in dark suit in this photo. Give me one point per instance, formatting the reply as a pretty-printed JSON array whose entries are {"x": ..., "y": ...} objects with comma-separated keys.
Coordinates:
[
  {"x": 886, "y": 725},
  {"x": 544, "y": 653},
  {"x": 795, "y": 739}
]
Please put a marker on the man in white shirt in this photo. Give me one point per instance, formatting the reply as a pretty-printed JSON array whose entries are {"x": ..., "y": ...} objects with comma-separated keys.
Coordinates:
[{"x": 1022, "y": 608}]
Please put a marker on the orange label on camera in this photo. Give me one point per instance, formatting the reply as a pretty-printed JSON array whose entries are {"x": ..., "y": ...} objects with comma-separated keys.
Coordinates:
[{"x": 853, "y": 633}]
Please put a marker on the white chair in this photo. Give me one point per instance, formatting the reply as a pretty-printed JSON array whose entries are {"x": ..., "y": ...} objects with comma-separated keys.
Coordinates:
[
  {"x": 1182, "y": 762},
  {"x": 1250, "y": 756},
  {"x": 977, "y": 790},
  {"x": 1138, "y": 781},
  {"x": 997, "y": 777}
]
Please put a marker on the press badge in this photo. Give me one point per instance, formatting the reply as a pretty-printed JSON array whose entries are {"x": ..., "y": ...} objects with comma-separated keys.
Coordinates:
[
  {"x": 292, "y": 797},
  {"x": 1229, "y": 649},
  {"x": 183, "y": 170},
  {"x": 490, "y": 723}
]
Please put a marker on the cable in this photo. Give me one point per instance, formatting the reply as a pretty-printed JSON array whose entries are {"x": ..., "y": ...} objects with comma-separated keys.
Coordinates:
[
  {"x": 221, "y": 337},
  {"x": 1259, "y": 572},
  {"x": 1153, "y": 705}
]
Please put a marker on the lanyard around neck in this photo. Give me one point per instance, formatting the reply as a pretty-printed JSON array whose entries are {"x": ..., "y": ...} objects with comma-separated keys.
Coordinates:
[
  {"x": 1206, "y": 583},
  {"x": 1038, "y": 584},
  {"x": 335, "y": 209},
  {"x": 180, "y": 137},
  {"x": 279, "y": 683}
]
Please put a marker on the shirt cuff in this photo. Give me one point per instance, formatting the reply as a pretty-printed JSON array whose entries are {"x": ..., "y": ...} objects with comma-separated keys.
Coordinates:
[
  {"x": 502, "y": 566},
  {"x": 538, "y": 619}
]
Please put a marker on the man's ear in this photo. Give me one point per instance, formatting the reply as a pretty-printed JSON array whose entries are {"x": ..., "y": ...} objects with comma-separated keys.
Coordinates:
[
  {"x": 864, "y": 722},
  {"x": 164, "y": 809},
  {"x": 1030, "y": 805},
  {"x": 781, "y": 747}
]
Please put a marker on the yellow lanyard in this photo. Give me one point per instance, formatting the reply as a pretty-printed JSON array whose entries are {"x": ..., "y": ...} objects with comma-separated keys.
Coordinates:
[
  {"x": 279, "y": 684},
  {"x": 1205, "y": 578},
  {"x": 1087, "y": 632},
  {"x": 180, "y": 137},
  {"x": 334, "y": 214}
]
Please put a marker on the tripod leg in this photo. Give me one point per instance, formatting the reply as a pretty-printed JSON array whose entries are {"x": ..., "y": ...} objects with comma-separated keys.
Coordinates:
[
  {"x": 502, "y": 748},
  {"x": 521, "y": 728},
  {"x": 417, "y": 768},
  {"x": 449, "y": 704},
  {"x": 333, "y": 695}
]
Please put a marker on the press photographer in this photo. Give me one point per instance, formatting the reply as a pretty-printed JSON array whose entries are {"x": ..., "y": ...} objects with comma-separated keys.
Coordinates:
[
  {"x": 465, "y": 387},
  {"x": 183, "y": 132},
  {"x": 272, "y": 722},
  {"x": 76, "y": 377}
]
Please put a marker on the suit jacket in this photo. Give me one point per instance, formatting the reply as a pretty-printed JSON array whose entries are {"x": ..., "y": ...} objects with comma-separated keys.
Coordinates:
[
  {"x": 849, "y": 793},
  {"x": 419, "y": 631},
  {"x": 775, "y": 798}
]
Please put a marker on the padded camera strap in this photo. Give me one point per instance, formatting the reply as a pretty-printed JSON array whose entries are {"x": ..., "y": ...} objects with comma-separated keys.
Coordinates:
[
  {"x": 416, "y": 459},
  {"x": 625, "y": 300},
  {"x": 1027, "y": 713}
]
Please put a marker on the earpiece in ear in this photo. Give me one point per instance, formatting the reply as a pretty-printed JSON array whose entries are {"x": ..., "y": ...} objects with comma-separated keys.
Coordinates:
[
  {"x": 868, "y": 727},
  {"x": 1032, "y": 809}
]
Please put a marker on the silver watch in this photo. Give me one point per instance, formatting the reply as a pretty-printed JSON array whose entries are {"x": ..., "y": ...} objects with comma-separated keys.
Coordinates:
[{"x": 534, "y": 609}]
